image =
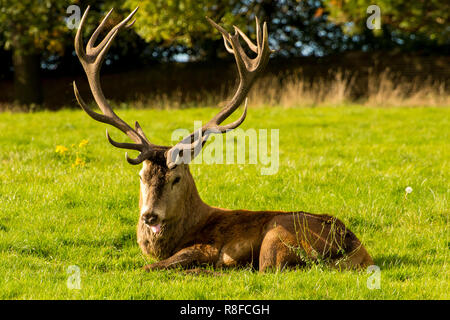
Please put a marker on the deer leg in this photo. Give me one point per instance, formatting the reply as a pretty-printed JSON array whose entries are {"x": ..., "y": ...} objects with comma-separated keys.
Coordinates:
[
  {"x": 277, "y": 250},
  {"x": 187, "y": 257}
]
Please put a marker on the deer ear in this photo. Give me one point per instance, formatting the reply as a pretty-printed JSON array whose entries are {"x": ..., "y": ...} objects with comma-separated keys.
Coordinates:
[
  {"x": 171, "y": 158},
  {"x": 176, "y": 156},
  {"x": 185, "y": 150}
]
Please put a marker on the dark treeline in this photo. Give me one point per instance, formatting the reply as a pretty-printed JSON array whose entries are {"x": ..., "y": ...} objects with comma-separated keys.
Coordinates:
[{"x": 297, "y": 29}]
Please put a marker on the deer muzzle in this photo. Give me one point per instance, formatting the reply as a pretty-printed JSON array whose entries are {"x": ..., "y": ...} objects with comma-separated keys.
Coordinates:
[{"x": 152, "y": 221}]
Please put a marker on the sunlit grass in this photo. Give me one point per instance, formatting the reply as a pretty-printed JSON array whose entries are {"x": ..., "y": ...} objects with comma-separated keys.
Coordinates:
[{"x": 352, "y": 162}]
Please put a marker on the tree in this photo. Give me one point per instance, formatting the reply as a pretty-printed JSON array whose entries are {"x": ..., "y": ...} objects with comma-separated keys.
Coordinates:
[
  {"x": 301, "y": 27},
  {"x": 35, "y": 31},
  {"x": 296, "y": 27},
  {"x": 182, "y": 25},
  {"x": 180, "y": 21},
  {"x": 420, "y": 17},
  {"x": 28, "y": 28}
]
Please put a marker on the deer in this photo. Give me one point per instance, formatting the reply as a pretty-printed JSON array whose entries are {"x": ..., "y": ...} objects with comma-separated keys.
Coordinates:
[{"x": 175, "y": 226}]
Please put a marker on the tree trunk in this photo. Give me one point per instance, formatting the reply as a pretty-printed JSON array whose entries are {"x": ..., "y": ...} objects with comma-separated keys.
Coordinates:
[{"x": 27, "y": 83}]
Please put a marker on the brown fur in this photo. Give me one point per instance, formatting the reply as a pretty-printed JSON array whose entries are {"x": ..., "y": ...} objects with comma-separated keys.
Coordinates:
[{"x": 193, "y": 233}]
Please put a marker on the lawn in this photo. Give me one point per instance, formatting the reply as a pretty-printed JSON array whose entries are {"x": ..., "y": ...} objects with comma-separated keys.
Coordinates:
[{"x": 353, "y": 162}]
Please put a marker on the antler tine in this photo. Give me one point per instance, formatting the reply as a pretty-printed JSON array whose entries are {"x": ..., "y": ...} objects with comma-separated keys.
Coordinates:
[
  {"x": 249, "y": 42},
  {"x": 248, "y": 70},
  {"x": 225, "y": 35},
  {"x": 96, "y": 116},
  {"x": 112, "y": 33},
  {"x": 101, "y": 26},
  {"x": 79, "y": 47},
  {"x": 91, "y": 59},
  {"x": 123, "y": 145},
  {"x": 139, "y": 159},
  {"x": 258, "y": 31},
  {"x": 234, "y": 124},
  {"x": 104, "y": 45}
]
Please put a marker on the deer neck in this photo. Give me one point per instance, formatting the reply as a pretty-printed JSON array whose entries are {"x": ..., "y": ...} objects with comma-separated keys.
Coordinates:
[{"x": 197, "y": 211}]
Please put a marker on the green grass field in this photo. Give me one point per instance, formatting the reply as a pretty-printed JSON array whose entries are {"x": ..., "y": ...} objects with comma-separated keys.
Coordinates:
[{"x": 352, "y": 162}]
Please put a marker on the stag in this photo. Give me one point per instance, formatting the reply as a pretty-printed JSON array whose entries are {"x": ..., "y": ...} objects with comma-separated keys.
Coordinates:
[{"x": 175, "y": 225}]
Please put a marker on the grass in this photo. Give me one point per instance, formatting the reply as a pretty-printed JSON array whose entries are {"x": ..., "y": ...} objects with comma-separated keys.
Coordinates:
[
  {"x": 353, "y": 162},
  {"x": 378, "y": 89}
]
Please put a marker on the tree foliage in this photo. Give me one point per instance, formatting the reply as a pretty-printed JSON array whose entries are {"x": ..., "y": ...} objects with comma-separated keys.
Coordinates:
[
  {"x": 419, "y": 17},
  {"x": 296, "y": 27},
  {"x": 37, "y": 34},
  {"x": 33, "y": 25},
  {"x": 183, "y": 21}
]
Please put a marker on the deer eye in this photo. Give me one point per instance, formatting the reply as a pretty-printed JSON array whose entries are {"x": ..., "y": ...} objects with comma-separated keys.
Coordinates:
[{"x": 175, "y": 181}]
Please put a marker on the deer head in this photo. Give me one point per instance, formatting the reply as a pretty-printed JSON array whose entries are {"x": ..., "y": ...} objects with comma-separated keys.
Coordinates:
[{"x": 168, "y": 196}]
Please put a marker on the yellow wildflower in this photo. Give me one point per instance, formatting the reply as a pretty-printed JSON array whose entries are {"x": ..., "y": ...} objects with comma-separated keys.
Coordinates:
[
  {"x": 83, "y": 143},
  {"x": 78, "y": 162},
  {"x": 61, "y": 150}
]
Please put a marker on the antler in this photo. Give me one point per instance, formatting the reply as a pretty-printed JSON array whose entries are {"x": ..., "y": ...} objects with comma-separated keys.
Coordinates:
[
  {"x": 248, "y": 70},
  {"x": 91, "y": 60}
]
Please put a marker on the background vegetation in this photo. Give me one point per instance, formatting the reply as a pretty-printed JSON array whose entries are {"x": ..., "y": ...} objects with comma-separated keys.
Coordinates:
[{"x": 37, "y": 45}]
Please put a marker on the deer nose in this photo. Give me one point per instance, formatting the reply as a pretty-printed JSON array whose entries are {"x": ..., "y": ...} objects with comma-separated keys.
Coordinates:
[{"x": 150, "y": 218}]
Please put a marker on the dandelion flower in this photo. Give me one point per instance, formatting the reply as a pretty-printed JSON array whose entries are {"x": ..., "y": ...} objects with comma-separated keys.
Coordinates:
[
  {"x": 83, "y": 143},
  {"x": 61, "y": 150},
  {"x": 408, "y": 190},
  {"x": 78, "y": 162}
]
